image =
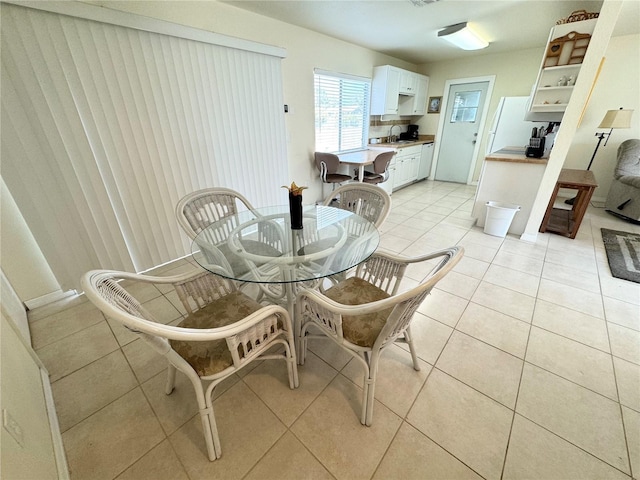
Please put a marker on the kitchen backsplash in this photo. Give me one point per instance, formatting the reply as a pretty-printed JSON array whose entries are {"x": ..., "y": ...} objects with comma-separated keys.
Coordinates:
[{"x": 380, "y": 128}]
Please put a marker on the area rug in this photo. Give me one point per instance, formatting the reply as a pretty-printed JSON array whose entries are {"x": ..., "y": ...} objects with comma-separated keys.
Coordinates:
[{"x": 623, "y": 253}]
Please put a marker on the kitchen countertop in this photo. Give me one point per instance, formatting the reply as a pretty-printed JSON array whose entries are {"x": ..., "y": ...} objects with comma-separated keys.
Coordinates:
[
  {"x": 422, "y": 139},
  {"x": 514, "y": 155}
]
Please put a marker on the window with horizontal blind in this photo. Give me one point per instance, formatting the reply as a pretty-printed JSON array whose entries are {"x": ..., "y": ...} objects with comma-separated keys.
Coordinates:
[{"x": 342, "y": 111}]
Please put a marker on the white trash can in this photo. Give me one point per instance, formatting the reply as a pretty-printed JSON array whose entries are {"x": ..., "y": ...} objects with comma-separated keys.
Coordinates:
[{"x": 499, "y": 218}]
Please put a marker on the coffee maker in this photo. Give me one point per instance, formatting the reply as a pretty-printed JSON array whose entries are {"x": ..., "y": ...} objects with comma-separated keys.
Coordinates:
[{"x": 410, "y": 134}]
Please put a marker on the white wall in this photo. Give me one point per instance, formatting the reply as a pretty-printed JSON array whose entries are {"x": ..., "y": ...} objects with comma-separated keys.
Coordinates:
[
  {"x": 618, "y": 86},
  {"x": 22, "y": 260},
  {"x": 306, "y": 50},
  {"x": 515, "y": 73},
  {"x": 24, "y": 397}
]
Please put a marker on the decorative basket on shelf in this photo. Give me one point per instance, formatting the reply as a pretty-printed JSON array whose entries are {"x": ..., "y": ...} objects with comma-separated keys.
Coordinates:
[
  {"x": 569, "y": 49},
  {"x": 578, "y": 16}
]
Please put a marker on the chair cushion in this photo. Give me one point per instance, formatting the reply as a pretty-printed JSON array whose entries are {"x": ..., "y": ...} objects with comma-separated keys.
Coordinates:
[
  {"x": 628, "y": 159},
  {"x": 361, "y": 330},
  {"x": 634, "y": 181},
  {"x": 238, "y": 264},
  {"x": 337, "y": 178},
  {"x": 373, "y": 179},
  {"x": 208, "y": 358}
]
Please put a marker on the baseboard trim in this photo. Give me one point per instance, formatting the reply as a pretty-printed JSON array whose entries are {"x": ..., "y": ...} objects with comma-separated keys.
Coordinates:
[
  {"x": 48, "y": 298},
  {"x": 529, "y": 237}
]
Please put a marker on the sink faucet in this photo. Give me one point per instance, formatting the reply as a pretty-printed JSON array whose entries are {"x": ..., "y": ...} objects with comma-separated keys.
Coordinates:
[{"x": 392, "y": 137}]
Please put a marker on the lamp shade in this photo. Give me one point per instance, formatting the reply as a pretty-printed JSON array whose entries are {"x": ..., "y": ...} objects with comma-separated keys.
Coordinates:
[
  {"x": 616, "y": 119},
  {"x": 463, "y": 37}
]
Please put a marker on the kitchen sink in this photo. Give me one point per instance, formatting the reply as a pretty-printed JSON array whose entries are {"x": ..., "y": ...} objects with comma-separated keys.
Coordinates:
[{"x": 400, "y": 142}]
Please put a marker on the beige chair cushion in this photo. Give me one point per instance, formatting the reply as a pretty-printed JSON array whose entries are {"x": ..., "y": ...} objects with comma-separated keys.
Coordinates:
[
  {"x": 362, "y": 330},
  {"x": 236, "y": 262},
  {"x": 208, "y": 358}
]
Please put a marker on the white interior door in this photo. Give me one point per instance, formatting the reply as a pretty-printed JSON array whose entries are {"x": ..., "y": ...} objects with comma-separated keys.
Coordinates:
[{"x": 463, "y": 116}]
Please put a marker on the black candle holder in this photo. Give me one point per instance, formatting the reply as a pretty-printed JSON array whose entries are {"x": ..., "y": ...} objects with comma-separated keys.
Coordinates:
[{"x": 295, "y": 211}]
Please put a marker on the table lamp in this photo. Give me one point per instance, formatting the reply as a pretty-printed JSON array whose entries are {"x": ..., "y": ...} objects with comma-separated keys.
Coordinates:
[{"x": 612, "y": 119}]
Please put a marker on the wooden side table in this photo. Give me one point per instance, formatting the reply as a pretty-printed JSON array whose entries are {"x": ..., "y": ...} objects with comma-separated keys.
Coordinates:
[{"x": 564, "y": 221}]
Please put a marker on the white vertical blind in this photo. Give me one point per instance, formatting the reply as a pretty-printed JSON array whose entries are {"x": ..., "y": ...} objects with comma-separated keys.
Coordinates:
[{"x": 105, "y": 128}]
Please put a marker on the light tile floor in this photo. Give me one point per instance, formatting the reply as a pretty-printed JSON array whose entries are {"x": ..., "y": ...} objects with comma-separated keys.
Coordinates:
[{"x": 530, "y": 369}]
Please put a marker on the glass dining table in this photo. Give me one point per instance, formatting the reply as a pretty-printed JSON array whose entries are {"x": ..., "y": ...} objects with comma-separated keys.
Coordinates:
[{"x": 260, "y": 247}]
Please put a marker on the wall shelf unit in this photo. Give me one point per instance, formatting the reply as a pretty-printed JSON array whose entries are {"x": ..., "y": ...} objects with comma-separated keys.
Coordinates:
[{"x": 554, "y": 85}]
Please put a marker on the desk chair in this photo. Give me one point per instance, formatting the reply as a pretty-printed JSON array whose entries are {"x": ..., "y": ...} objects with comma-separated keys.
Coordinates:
[
  {"x": 328, "y": 164},
  {"x": 380, "y": 169}
]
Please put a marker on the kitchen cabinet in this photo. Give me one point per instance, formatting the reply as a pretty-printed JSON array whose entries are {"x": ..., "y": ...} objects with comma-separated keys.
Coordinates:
[
  {"x": 407, "y": 162},
  {"x": 385, "y": 90},
  {"x": 408, "y": 83},
  {"x": 420, "y": 99},
  {"x": 395, "y": 91},
  {"x": 509, "y": 176},
  {"x": 559, "y": 71}
]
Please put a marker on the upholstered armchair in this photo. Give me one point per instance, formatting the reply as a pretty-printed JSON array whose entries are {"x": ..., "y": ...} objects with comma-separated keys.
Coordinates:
[{"x": 624, "y": 194}]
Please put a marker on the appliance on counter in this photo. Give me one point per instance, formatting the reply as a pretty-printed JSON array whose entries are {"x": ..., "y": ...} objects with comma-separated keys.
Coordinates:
[
  {"x": 536, "y": 143},
  {"x": 509, "y": 128},
  {"x": 410, "y": 134}
]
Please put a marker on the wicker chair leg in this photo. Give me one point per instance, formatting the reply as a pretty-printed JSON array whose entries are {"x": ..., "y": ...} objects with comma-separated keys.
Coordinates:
[
  {"x": 171, "y": 379},
  {"x": 292, "y": 363},
  {"x": 414, "y": 357},
  {"x": 302, "y": 345},
  {"x": 210, "y": 430},
  {"x": 367, "y": 401}
]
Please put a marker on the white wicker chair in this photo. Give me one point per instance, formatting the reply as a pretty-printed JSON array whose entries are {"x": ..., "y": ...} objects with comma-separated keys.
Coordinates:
[
  {"x": 198, "y": 210},
  {"x": 223, "y": 331},
  {"x": 368, "y": 201},
  {"x": 364, "y": 314}
]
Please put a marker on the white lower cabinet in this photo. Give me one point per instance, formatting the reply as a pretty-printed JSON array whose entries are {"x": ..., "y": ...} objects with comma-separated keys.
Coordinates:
[{"x": 407, "y": 162}]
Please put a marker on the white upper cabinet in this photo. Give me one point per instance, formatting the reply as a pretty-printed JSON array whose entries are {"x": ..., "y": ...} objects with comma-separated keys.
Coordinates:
[
  {"x": 395, "y": 91},
  {"x": 408, "y": 83},
  {"x": 385, "y": 90},
  {"x": 420, "y": 100}
]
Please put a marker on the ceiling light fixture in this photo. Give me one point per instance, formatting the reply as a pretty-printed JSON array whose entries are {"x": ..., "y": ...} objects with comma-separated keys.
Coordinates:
[{"x": 462, "y": 36}]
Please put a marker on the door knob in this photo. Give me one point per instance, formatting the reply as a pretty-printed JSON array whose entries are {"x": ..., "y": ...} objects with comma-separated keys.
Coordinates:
[{"x": 473, "y": 141}]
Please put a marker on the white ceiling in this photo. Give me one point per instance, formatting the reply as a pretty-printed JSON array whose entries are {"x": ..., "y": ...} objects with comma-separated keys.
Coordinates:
[{"x": 402, "y": 30}]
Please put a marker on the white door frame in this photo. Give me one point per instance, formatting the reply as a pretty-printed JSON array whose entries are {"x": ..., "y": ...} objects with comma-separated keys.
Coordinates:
[{"x": 443, "y": 108}]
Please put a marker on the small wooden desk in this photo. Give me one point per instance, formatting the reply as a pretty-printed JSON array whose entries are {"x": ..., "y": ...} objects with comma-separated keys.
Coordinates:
[
  {"x": 361, "y": 158},
  {"x": 564, "y": 221}
]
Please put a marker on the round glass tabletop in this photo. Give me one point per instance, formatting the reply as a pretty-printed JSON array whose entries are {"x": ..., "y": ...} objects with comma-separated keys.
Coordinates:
[{"x": 260, "y": 246}]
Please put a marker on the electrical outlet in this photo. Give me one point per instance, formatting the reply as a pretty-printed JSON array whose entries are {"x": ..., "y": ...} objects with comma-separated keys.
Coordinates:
[{"x": 11, "y": 426}]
